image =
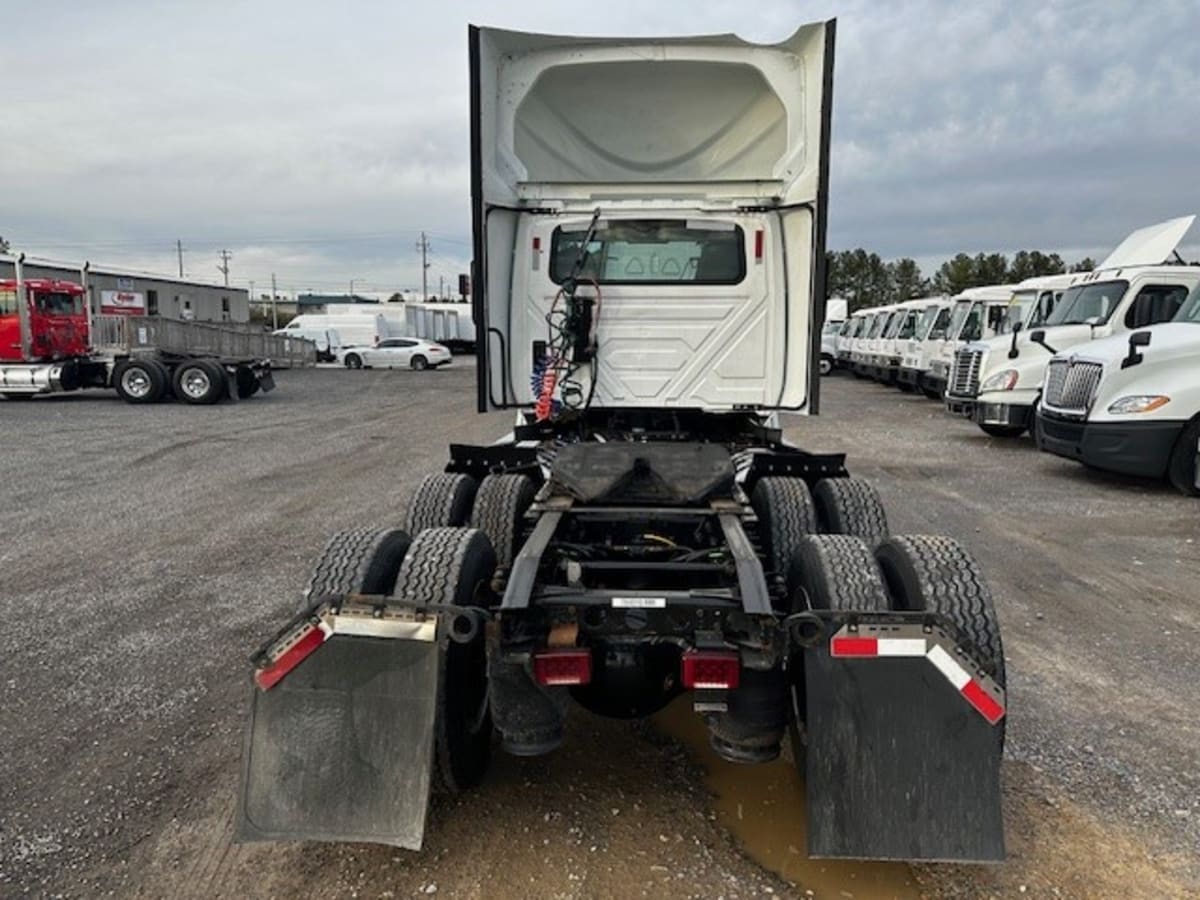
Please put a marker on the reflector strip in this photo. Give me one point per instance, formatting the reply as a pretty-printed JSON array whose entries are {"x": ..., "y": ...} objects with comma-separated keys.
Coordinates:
[
  {"x": 269, "y": 676},
  {"x": 982, "y": 701},
  {"x": 853, "y": 646},
  {"x": 847, "y": 644},
  {"x": 758, "y": 245},
  {"x": 948, "y": 666}
]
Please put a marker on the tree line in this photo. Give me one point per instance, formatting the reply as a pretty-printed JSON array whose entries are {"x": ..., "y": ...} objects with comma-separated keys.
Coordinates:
[{"x": 866, "y": 280}]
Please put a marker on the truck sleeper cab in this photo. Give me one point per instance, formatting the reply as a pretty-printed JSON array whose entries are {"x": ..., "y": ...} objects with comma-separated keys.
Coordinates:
[{"x": 1130, "y": 403}]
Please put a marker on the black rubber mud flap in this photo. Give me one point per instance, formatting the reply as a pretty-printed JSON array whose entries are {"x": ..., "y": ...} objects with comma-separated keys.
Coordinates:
[
  {"x": 342, "y": 748},
  {"x": 898, "y": 765}
]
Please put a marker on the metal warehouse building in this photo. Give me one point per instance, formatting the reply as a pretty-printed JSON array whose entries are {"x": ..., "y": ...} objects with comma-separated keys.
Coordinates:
[{"x": 138, "y": 293}]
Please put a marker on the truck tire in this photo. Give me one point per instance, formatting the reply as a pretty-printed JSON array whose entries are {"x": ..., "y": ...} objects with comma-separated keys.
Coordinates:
[
  {"x": 358, "y": 561},
  {"x": 1003, "y": 431},
  {"x": 419, "y": 363},
  {"x": 17, "y": 397},
  {"x": 500, "y": 505},
  {"x": 353, "y": 361},
  {"x": 455, "y": 566},
  {"x": 835, "y": 572},
  {"x": 785, "y": 511},
  {"x": 199, "y": 381},
  {"x": 937, "y": 574},
  {"x": 850, "y": 506},
  {"x": 826, "y": 364},
  {"x": 1182, "y": 468},
  {"x": 440, "y": 500},
  {"x": 140, "y": 380},
  {"x": 247, "y": 382}
]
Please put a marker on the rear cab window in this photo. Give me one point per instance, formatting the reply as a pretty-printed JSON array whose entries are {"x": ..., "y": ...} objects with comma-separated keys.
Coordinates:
[{"x": 652, "y": 251}]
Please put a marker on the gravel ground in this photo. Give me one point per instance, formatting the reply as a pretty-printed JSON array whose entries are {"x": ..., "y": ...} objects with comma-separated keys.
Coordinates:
[{"x": 146, "y": 551}]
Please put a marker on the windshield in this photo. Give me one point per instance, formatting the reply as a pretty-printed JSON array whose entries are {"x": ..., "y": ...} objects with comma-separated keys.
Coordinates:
[
  {"x": 938, "y": 331},
  {"x": 59, "y": 303},
  {"x": 896, "y": 323},
  {"x": 972, "y": 327},
  {"x": 1190, "y": 311},
  {"x": 832, "y": 327},
  {"x": 1087, "y": 304},
  {"x": 961, "y": 308},
  {"x": 908, "y": 326},
  {"x": 652, "y": 251},
  {"x": 1016, "y": 311},
  {"x": 925, "y": 322}
]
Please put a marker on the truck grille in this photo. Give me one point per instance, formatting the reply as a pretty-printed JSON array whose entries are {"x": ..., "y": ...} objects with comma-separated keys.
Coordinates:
[
  {"x": 964, "y": 377},
  {"x": 1070, "y": 385}
]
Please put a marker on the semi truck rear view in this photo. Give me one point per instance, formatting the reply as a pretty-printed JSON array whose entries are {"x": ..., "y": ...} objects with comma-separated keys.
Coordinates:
[{"x": 649, "y": 243}]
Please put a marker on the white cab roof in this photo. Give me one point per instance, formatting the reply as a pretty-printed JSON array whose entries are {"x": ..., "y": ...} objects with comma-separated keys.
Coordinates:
[{"x": 1149, "y": 246}]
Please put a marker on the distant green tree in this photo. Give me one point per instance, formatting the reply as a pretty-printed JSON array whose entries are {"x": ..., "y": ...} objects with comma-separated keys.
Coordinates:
[
  {"x": 955, "y": 275},
  {"x": 906, "y": 280},
  {"x": 1032, "y": 263},
  {"x": 990, "y": 268},
  {"x": 1087, "y": 264}
]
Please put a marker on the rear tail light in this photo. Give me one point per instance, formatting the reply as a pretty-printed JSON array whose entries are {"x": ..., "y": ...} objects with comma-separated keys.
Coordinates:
[
  {"x": 708, "y": 669},
  {"x": 555, "y": 667}
]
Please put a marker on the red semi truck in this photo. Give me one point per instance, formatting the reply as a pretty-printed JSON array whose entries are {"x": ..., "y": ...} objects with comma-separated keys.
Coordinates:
[{"x": 48, "y": 344}]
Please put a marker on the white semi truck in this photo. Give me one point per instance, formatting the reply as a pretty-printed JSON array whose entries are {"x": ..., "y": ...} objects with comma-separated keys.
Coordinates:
[
  {"x": 1130, "y": 403},
  {"x": 976, "y": 313},
  {"x": 915, "y": 352},
  {"x": 996, "y": 382},
  {"x": 648, "y": 297}
]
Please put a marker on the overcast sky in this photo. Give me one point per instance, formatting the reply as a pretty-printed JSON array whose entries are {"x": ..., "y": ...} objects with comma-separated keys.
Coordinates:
[{"x": 318, "y": 139}]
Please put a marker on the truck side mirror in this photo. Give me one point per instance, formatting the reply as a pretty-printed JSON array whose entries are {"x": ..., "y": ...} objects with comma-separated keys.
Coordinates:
[
  {"x": 1137, "y": 339},
  {"x": 1039, "y": 337},
  {"x": 1013, "y": 352}
]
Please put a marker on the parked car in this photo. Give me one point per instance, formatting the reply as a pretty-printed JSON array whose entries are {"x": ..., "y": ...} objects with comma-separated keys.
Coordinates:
[{"x": 396, "y": 353}]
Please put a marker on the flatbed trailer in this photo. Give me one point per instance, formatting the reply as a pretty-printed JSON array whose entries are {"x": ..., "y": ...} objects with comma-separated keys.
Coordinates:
[{"x": 51, "y": 343}]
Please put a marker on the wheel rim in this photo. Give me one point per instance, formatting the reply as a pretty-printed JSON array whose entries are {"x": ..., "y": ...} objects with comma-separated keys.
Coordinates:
[
  {"x": 195, "y": 383},
  {"x": 135, "y": 381}
]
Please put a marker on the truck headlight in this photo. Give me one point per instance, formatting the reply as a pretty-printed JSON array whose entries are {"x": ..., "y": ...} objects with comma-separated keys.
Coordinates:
[
  {"x": 1001, "y": 381},
  {"x": 1138, "y": 403}
]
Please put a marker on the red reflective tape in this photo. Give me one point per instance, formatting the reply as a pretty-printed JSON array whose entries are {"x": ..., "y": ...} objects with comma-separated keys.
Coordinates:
[
  {"x": 758, "y": 245},
  {"x": 983, "y": 701},
  {"x": 854, "y": 646},
  {"x": 266, "y": 678}
]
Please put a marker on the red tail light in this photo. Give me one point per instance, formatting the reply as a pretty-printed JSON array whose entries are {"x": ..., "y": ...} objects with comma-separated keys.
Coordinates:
[
  {"x": 572, "y": 666},
  {"x": 708, "y": 669},
  {"x": 758, "y": 245}
]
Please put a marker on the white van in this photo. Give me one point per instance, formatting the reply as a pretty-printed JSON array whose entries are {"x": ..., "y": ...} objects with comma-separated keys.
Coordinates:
[
  {"x": 999, "y": 380},
  {"x": 1130, "y": 403},
  {"x": 352, "y": 330}
]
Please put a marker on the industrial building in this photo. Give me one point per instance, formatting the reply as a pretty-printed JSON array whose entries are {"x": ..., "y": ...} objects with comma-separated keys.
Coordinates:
[{"x": 113, "y": 290}]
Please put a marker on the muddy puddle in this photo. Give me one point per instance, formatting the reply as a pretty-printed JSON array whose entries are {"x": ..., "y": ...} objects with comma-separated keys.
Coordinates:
[{"x": 763, "y": 807}]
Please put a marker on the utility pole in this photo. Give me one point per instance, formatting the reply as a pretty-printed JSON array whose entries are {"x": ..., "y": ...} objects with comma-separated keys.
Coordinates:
[
  {"x": 226, "y": 256},
  {"x": 179, "y": 250},
  {"x": 423, "y": 246},
  {"x": 351, "y": 290},
  {"x": 441, "y": 287},
  {"x": 251, "y": 293},
  {"x": 274, "y": 307}
]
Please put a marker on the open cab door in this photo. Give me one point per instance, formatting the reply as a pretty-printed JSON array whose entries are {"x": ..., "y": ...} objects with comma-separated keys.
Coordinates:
[{"x": 681, "y": 184}]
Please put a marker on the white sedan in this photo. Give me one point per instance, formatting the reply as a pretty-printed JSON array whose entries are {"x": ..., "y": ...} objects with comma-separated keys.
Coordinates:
[{"x": 392, "y": 353}]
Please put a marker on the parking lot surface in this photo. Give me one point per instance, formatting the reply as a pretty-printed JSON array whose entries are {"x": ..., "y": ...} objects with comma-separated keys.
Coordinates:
[{"x": 147, "y": 551}]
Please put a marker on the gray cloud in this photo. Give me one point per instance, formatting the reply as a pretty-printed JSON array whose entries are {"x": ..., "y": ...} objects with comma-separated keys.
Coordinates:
[{"x": 318, "y": 140}]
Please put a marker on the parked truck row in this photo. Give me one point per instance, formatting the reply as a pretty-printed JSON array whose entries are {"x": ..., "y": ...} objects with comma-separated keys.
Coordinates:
[{"x": 1102, "y": 367}]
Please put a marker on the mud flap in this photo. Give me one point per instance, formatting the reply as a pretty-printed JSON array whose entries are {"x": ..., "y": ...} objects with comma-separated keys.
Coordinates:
[
  {"x": 898, "y": 764},
  {"x": 342, "y": 748}
]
